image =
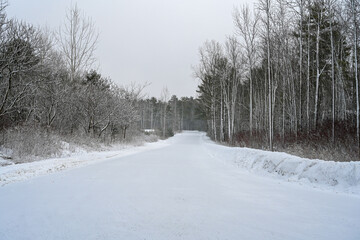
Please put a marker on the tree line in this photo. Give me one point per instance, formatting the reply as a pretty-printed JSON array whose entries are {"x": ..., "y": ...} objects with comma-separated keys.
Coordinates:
[
  {"x": 47, "y": 80},
  {"x": 169, "y": 115},
  {"x": 289, "y": 74},
  {"x": 48, "y": 84}
]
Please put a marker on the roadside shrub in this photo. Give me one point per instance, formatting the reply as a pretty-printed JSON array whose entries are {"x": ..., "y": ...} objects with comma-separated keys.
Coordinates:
[
  {"x": 30, "y": 143},
  {"x": 316, "y": 144}
]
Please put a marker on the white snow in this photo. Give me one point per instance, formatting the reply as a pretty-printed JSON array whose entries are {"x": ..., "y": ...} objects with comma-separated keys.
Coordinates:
[
  {"x": 149, "y": 130},
  {"x": 338, "y": 176},
  {"x": 186, "y": 189},
  {"x": 75, "y": 158}
]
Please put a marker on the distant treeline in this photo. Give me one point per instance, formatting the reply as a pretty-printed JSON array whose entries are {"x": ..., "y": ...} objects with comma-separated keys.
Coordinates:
[{"x": 176, "y": 114}]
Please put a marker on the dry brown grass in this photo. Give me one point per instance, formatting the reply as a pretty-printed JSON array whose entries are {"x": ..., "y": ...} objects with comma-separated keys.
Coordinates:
[{"x": 316, "y": 144}]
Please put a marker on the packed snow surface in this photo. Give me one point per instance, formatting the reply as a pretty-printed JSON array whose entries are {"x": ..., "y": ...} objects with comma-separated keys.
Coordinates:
[
  {"x": 189, "y": 188},
  {"x": 79, "y": 158}
]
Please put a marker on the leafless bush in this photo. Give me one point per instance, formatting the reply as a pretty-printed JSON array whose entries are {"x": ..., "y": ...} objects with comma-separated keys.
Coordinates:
[
  {"x": 316, "y": 144},
  {"x": 30, "y": 143},
  {"x": 83, "y": 140}
]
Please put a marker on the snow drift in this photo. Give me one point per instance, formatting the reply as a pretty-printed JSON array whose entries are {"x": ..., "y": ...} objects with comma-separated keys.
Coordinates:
[{"x": 340, "y": 176}]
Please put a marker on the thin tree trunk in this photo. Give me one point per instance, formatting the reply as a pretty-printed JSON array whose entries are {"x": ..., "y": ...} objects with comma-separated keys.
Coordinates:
[
  {"x": 164, "y": 121},
  {"x": 300, "y": 63},
  {"x": 221, "y": 118},
  {"x": 214, "y": 119},
  {"x": 308, "y": 81},
  {"x": 356, "y": 76},
  {"x": 269, "y": 73},
  {"x": 251, "y": 103},
  {"x": 333, "y": 82},
  {"x": 283, "y": 111},
  {"x": 317, "y": 73}
]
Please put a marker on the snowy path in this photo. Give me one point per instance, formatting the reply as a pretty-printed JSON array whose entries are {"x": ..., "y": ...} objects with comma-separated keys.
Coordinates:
[{"x": 175, "y": 192}]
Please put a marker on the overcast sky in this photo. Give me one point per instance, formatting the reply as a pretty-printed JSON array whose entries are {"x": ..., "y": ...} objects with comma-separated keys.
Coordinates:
[{"x": 141, "y": 41}]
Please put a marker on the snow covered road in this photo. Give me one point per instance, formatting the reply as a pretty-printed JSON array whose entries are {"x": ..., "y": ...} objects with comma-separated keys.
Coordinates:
[{"x": 175, "y": 192}]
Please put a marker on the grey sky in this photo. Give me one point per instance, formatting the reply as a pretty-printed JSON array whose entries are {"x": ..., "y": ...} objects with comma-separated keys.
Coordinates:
[{"x": 143, "y": 41}]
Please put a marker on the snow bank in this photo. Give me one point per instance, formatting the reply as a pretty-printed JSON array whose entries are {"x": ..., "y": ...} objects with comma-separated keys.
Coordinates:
[
  {"x": 340, "y": 176},
  {"x": 24, "y": 171}
]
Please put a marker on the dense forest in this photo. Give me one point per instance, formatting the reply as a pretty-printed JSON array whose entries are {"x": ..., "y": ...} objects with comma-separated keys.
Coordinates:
[{"x": 288, "y": 79}]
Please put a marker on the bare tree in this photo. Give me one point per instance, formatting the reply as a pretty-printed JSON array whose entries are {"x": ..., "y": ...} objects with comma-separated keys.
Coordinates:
[
  {"x": 331, "y": 6},
  {"x": 19, "y": 61},
  {"x": 77, "y": 41},
  {"x": 232, "y": 82},
  {"x": 265, "y": 6},
  {"x": 354, "y": 6},
  {"x": 247, "y": 27},
  {"x": 301, "y": 11},
  {"x": 318, "y": 22},
  {"x": 308, "y": 74},
  {"x": 210, "y": 57}
]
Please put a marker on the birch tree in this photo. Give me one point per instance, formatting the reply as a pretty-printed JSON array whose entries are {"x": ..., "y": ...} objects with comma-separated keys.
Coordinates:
[
  {"x": 265, "y": 6},
  {"x": 330, "y": 4},
  {"x": 354, "y": 10},
  {"x": 247, "y": 27},
  {"x": 236, "y": 71}
]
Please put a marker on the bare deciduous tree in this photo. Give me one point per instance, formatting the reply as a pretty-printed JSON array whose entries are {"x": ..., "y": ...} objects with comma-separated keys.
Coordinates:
[
  {"x": 77, "y": 41},
  {"x": 247, "y": 27},
  {"x": 354, "y": 9},
  {"x": 265, "y": 6},
  {"x": 19, "y": 62}
]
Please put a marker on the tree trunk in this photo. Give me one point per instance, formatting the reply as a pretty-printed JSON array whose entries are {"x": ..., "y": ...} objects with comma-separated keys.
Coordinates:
[
  {"x": 308, "y": 80},
  {"x": 124, "y": 132},
  {"x": 164, "y": 121},
  {"x": 356, "y": 75},
  {"x": 221, "y": 117},
  {"x": 333, "y": 81},
  {"x": 251, "y": 103},
  {"x": 269, "y": 74},
  {"x": 317, "y": 73},
  {"x": 300, "y": 63}
]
